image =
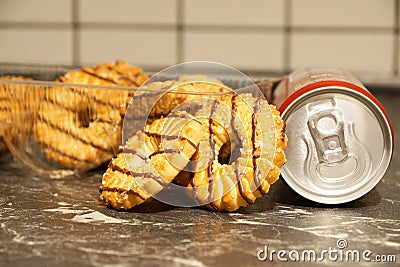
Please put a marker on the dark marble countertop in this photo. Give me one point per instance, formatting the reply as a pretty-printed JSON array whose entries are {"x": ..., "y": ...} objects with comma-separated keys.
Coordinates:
[{"x": 63, "y": 223}]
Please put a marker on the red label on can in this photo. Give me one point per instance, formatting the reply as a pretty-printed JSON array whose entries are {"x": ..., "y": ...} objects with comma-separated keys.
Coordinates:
[
  {"x": 307, "y": 77},
  {"x": 304, "y": 80}
]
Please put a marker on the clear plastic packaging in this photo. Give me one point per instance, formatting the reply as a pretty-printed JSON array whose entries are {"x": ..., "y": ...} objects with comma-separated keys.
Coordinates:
[{"x": 59, "y": 129}]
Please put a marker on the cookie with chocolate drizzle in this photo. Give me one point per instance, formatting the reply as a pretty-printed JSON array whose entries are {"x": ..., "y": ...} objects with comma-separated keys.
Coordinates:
[
  {"x": 79, "y": 127},
  {"x": 260, "y": 140},
  {"x": 150, "y": 160}
]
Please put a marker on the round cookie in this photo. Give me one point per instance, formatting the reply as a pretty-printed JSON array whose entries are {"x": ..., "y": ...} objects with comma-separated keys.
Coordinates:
[
  {"x": 150, "y": 160},
  {"x": 78, "y": 126},
  {"x": 260, "y": 143},
  {"x": 117, "y": 73}
]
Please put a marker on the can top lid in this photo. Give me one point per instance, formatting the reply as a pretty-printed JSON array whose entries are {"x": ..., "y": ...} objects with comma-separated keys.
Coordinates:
[{"x": 340, "y": 144}]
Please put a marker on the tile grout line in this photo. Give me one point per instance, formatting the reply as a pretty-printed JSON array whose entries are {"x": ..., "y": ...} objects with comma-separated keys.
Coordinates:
[
  {"x": 192, "y": 27},
  {"x": 287, "y": 34},
  {"x": 36, "y": 25},
  {"x": 75, "y": 34},
  {"x": 128, "y": 26},
  {"x": 180, "y": 42},
  {"x": 233, "y": 28},
  {"x": 396, "y": 41}
]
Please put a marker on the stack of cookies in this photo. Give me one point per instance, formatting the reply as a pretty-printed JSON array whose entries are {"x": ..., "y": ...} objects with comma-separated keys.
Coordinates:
[{"x": 224, "y": 148}]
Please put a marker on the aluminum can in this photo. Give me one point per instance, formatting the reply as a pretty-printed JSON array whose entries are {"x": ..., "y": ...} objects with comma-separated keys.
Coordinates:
[{"x": 340, "y": 136}]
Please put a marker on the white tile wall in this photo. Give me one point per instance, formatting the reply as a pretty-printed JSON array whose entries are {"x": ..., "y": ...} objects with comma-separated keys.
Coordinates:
[
  {"x": 243, "y": 50},
  {"x": 35, "y": 11},
  {"x": 137, "y": 47},
  {"x": 239, "y": 12},
  {"x": 35, "y": 46},
  {"x": 350, "y": 13},
  {"x": 397, "y": 61},
  {"x": 277, "y": 35},
  {"x": 128, "y": 11},
  {"x": 353, "y": 51}
]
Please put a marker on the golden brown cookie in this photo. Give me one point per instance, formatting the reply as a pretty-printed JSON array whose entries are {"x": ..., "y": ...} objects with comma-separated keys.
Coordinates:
[
  {"x": 75, "y": 139},
  {"x": 158, "y": 99},
  {"x": 117, "y": 73},
  {"x": 261, "y": 140},
  {"x": 109, "y": 73},
  {"x": 12, "y": 105},
  {"x": 79, "y": 127},
  {"x": 150, "y": 160}
]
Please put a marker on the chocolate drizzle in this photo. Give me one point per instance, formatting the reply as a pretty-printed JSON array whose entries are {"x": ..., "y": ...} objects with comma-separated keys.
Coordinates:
[
  {"x": 145, "y": 175},
  {"x": 235, "y": 132},
  {"x": 210, "y": 173},
  {"x": 68, "y": 109},
  {"x": 132, "y": 93},
  {"x": 75, "y": 136},
  {"x": 172, "y": 137},
  {"x": 165, "y": 151},
  {"x": 179, "y": 115},
  {"x": 83, "y": 94},
  {"x": 92, "y": 98},
  {"x": 94, "y": 74},
  {"x": 283, "y": 132},
  {"x": 125, "y": 77},
  {"x": 131, "y": 151},
  {"x": 240, "y": 184},
  {"x": 256, "y": 172},
  {"x": 233, "y": 117}
]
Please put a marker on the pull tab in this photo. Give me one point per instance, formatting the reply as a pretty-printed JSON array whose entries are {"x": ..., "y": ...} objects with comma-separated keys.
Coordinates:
[
  {"x": 342, "y": 160},
  {"x": 327, "y": 131}
]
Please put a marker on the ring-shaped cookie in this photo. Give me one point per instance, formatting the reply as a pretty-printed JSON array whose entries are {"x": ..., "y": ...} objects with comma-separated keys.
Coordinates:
[
  {"x": 261, "y": 137},
  {"x": 142, "y": 167},
  {"x": 79, "y": 127}
]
